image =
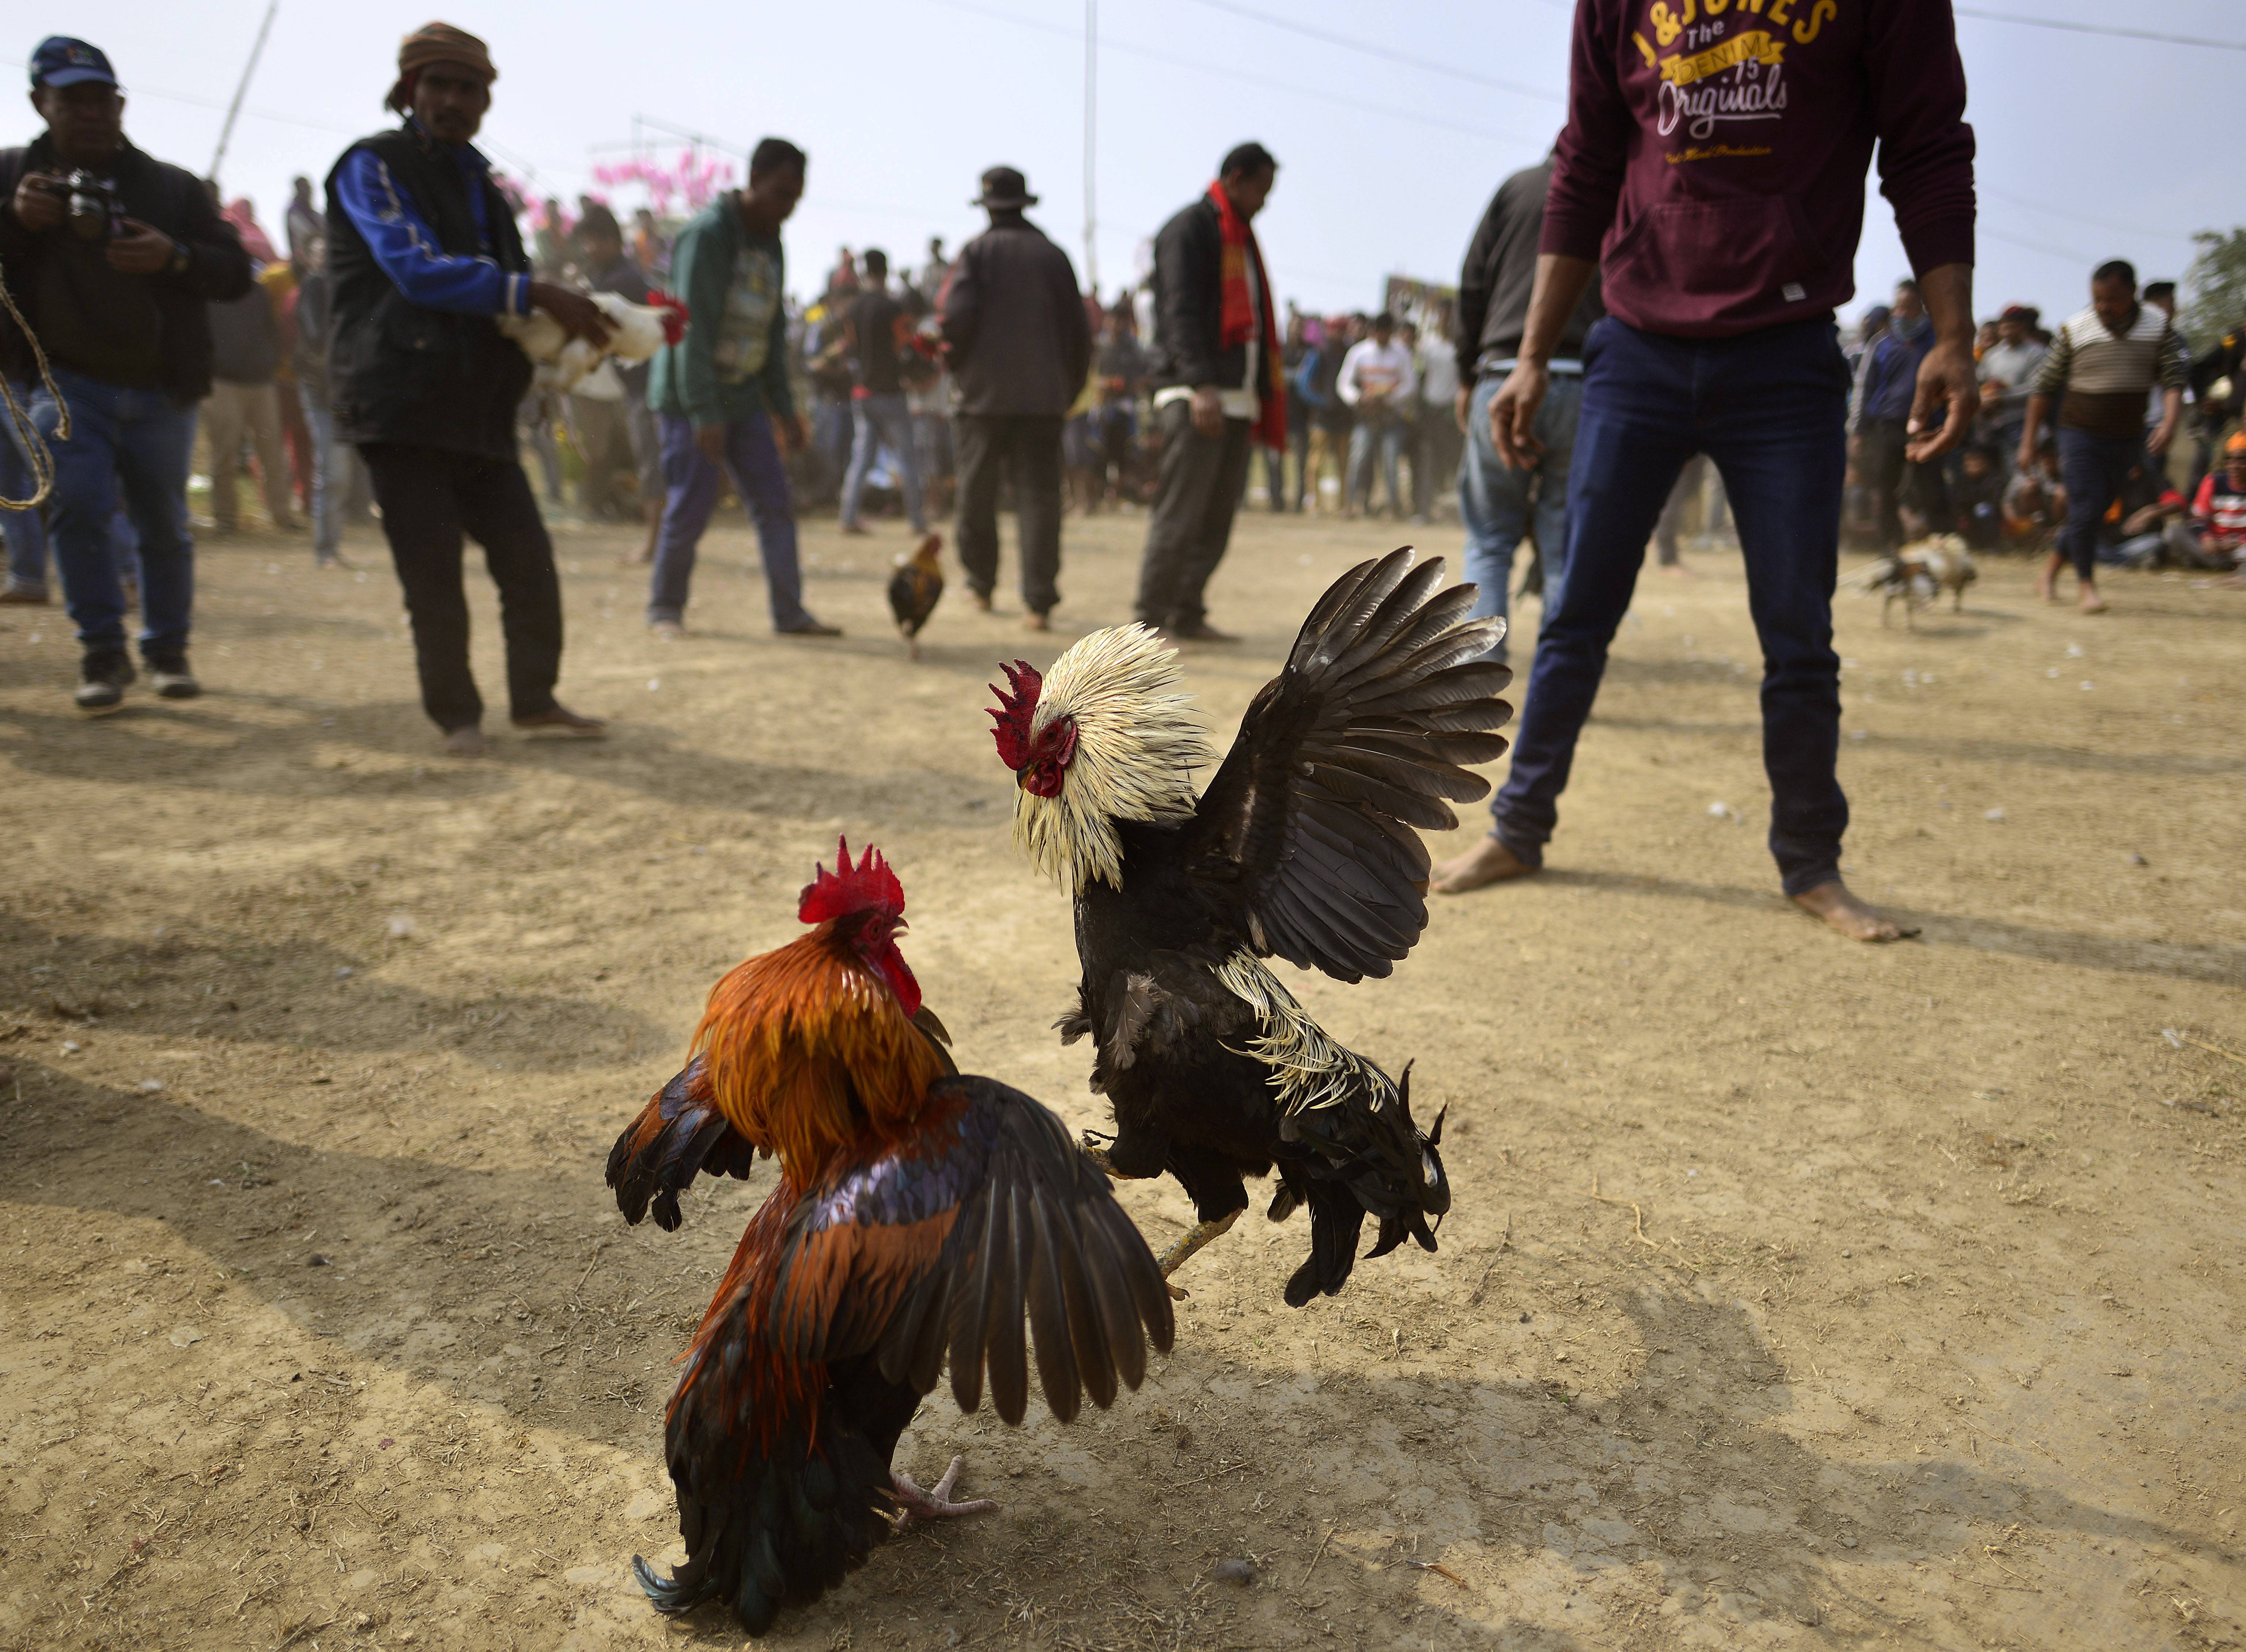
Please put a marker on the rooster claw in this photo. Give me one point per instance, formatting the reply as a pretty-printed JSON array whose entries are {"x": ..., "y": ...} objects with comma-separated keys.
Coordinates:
[{"x": 918, "y": 1507}]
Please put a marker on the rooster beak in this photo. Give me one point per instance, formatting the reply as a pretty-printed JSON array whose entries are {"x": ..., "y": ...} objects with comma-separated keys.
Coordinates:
[{"x": 1021, "y": 779}]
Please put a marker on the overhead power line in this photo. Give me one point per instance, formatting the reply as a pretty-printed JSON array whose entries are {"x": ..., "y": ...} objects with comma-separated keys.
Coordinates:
[
  {"x": 2081, "y": 28},
  {"x": 1374, "y": 50},
  {"x": 2079, "y": 217}
]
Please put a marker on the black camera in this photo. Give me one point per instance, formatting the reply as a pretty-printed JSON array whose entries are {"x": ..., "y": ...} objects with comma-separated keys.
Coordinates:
[{"x": 89, "y": 206}]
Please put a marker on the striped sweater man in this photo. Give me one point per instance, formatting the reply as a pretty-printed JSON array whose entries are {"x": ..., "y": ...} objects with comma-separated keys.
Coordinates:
[{"x": 2105, "y": 375}]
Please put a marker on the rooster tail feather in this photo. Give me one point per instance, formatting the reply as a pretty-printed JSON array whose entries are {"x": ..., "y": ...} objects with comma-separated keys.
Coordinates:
[{"x": 679, "y": 1135}]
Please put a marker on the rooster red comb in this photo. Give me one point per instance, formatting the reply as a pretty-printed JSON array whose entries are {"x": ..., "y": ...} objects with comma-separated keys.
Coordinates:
[
  {"x": 1014, "y": 712},
  {"x": 675, "y": 315},
  {"x": 868, "y": 886}
]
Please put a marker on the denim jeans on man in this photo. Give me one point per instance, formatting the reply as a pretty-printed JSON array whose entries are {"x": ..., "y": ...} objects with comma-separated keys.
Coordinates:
[
  {"x": 133, "y": 445},
  {"x": 759, "y": 477},
  {"x": 1497, "y": 503},
  {"x": 1377, "y": 429},
  {"x": 328, "y": 476},
  {"x": 25, "y": 531},
  {"x": 883, "y": 420},
  {"x": 2094, "y": 469},
  {"x": 1770, "y": 409}
]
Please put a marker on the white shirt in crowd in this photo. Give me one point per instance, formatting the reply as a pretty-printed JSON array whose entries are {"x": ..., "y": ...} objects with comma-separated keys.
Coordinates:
[
  {"x": 1438, "y": 374},
  {"x": 1384, "y": 371}
]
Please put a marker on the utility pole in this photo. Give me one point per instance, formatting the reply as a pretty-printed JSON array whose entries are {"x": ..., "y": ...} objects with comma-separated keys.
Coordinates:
[
  {"x": 1091, "y": 144},
  {"x": 226, "y": 132}
]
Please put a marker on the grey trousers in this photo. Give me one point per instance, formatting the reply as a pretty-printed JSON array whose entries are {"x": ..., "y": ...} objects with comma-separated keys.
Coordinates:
[{"x": 1196, "y": 494}]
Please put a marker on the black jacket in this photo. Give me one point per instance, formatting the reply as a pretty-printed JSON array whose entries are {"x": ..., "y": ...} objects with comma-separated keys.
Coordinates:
[
  {"x": 74, "y": 321},
  {"x": 1014, "y": 326},
  {"x": 399, "y": 372},
  {"x": 1499, "y": 272},
  {"x": 1189, "y": 304}
]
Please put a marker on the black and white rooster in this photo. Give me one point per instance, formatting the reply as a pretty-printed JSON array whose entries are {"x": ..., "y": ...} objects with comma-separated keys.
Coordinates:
[{"x": 1302, "y": 847}]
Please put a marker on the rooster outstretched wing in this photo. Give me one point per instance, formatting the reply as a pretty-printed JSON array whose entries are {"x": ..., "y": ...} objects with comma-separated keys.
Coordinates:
[
  {"x": 938, "y": 1245},
  {"x": 1304, "y": 842}
]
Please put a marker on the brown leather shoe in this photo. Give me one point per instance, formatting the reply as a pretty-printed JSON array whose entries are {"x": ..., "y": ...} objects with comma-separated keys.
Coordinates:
[{"x": 560, "y": 723}]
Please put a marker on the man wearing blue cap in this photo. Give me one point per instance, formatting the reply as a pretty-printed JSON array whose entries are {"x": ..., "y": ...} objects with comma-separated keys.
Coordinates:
[{"x": 114, "y": 257}]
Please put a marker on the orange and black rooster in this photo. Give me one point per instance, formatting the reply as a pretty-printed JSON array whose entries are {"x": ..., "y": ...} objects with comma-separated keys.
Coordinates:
[
  {"x": 919, "y": 1215},
  {"x": 1302, "y": 847},
  {"x": 915, "y": 589}
]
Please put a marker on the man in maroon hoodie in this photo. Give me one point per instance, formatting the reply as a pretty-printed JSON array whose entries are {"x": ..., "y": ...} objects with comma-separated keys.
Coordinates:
[{"x": 1711, "y": 174}]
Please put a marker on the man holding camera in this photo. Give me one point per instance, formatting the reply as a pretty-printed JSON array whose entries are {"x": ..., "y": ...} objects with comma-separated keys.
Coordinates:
[{"x": 114, "y": 258}]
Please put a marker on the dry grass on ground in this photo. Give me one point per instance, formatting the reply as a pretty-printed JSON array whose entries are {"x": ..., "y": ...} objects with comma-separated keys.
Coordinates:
[{"x": 1797, "y": 1295}]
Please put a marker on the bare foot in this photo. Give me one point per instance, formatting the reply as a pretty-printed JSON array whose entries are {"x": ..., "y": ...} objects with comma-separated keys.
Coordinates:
[
  {"x": 1488, "y": 861},
  {"x": 2047, "y": 581},
  {"x": 2091, "y": 602},
  {"x": 916, "y": 1507},
  {"x": 1836, "y": 906}
]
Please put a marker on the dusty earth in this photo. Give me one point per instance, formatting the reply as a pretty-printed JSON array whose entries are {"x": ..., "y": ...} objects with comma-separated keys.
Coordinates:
[{"x": 1798, "y": 1294}]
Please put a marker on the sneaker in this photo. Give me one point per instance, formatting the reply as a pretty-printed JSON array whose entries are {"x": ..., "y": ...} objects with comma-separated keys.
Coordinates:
[
  {"x": 558, "y": 722},
  {"x": 105, "y": 674},
  {"x": 27, "y": 595},
  {"x": 172, "y": 678}
]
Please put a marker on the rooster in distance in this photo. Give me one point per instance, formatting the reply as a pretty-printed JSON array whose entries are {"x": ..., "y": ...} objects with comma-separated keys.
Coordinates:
[
  {"x": 1303, "y": 848},
  {"x": 915, "y": 589},
  {"x": 919, "y": 1215}
]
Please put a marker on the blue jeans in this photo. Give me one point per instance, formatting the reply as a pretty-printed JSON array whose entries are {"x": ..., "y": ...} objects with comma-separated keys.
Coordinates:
[
  {"x": 25, "y": 531},
  {"x": 2094, "y": 469},
  {"x": 327, "y": 474},
  {"x": 1497, "y": 503},
  {"x": 1387, "y": 434},
  {"x": 882, "y": 420},
  {"x": 1770, "y": 408},
  {"x": 752, "y": 458},
  {"x": 132, "y": 445}
]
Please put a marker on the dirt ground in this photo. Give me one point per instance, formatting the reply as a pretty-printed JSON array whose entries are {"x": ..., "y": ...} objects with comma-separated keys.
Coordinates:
[{"x": 1797, "y": 1293}]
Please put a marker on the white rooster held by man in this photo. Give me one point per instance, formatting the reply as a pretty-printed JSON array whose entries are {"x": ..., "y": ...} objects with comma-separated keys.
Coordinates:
[{"x": 638, "y": 331}]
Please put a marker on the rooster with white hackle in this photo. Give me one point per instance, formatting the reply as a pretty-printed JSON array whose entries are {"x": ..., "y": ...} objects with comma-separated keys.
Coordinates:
[{"x": 638, "y": 331}]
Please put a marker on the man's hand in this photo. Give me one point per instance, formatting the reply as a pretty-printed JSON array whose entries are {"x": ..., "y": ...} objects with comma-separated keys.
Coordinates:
[
  {"x": 2157, "y": 443},
  {"x": 1945, "y": 379},
  {"x": 1208, "y": 411},
  {"x": 794, "y": 434},
  {"x": 1513, "y": 416},
  {"x": 1465, "y": 401},
  {"x": 2026, "y": 456},
  {"x": 711, "y": 439},
  {"x": 39, "y": 201},
  {"x": 142, "y": 250},
  {"x": 579, "y": 316}
]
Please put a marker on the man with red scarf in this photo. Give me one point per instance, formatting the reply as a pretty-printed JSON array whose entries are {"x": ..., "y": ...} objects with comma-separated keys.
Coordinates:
[{"x": 1217, "y": 387}]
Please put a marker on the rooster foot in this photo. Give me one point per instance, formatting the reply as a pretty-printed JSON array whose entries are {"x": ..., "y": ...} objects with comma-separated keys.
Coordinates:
[
  {"x": 1094, "y": 1147},
  {"x": 1174, "y": 1257},
  {"x": 916, "y": 1507}
]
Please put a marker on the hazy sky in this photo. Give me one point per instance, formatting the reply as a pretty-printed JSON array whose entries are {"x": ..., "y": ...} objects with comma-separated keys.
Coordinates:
[{"x": 2090, "y": 147}]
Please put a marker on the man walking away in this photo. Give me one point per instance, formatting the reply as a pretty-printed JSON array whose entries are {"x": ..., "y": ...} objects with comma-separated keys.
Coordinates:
[
  {"x": 721, "y": 392},
  {"x": 1019, "y": 345},
  {"x": 1216, "y": 376},
  {"x": 116, "y": 285},
  {"x": 245, "y": 357},
  {"x": 2104, "y": 362},
  {"x": 875, "y": 330},
  {"x": 423, "y": 256},
  {"x": 1727, "y": 241},
  {"x": 1498, "y": 502},
  {"x": 1379, "y": 382}
]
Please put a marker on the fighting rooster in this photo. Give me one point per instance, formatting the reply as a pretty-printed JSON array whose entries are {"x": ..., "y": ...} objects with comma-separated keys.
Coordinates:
[
  {"x": 640, "y": 331},
  {"x": 918, "y": 1215},
  {"x": 1918, "y": 574},
  {"x": 1302, "y": 846}
]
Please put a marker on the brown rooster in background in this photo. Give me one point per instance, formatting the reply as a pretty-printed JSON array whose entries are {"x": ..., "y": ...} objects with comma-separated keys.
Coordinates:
[
  {"x": 919, "y": 1214},
  {"x": 915, "y": 589}
]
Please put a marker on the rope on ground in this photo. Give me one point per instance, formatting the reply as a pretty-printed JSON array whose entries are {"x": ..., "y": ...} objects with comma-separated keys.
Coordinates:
[{"x": 27, "y": 434}]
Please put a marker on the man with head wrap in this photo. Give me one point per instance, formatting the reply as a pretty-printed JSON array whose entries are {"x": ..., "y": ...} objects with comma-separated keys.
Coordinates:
[{"x": 423, "y": 257}]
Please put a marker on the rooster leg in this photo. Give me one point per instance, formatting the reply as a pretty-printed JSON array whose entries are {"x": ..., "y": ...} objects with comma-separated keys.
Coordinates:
[
  {"x": 1174, "y": 1257},
  {"x": 1094, "y": 1147},
  {"x": 916, "y": 1507}
]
